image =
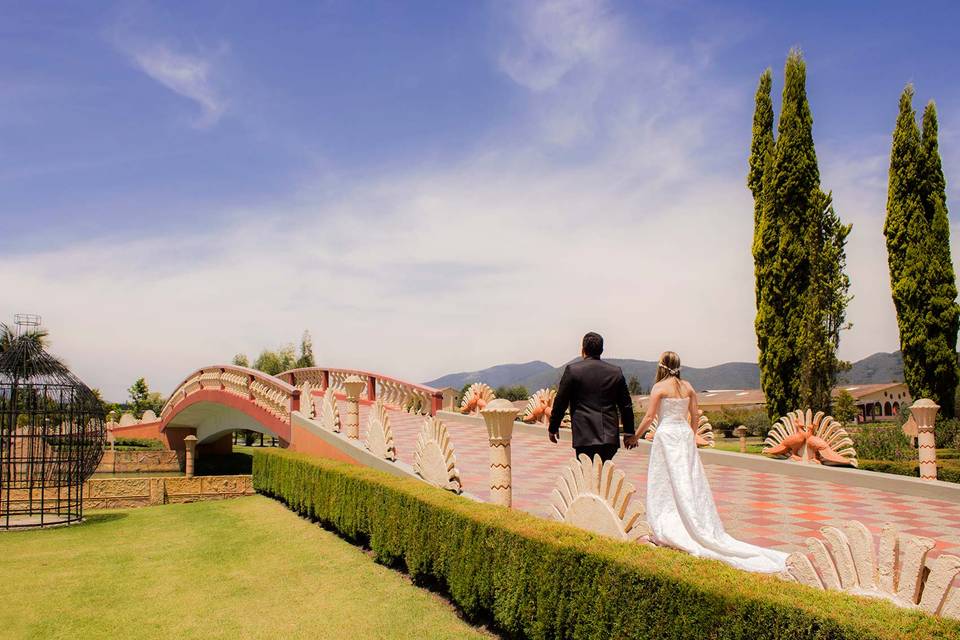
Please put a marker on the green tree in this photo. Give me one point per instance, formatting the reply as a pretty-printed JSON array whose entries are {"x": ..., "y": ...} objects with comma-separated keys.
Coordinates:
[
  {"x": 761, "y": 153},
  {"x": 139, "y": 394},
  {"x": 274, "y": 362},
  {"x": 943, "y": 314},
  {"x": 845, "y": 407},
  {"x": 306, "y": 352},
  {"x": 922, "y": 279},
  {"x": 796, "y": 230},
  {"x": 241, "y": 360},
  {"x": 517, "y": 392},
  {"x": 633, "y": 384},
  {"x": 8, "y": 334},
  {"x": 824, "y": 313}
]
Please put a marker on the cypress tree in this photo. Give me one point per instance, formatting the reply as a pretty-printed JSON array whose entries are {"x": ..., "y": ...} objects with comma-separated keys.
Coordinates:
[
  {"x": 943, "y": 314},
  {"x": 761, "y": 152},
  {"x": 922, "y": 278},
  {"x": 799, "y": 253},
  {"x": 789, "y": 181}
]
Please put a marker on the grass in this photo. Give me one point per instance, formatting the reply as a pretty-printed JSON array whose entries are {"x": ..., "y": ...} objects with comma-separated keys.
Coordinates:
[
  {"x": 754, "y": 445},
  {"x": 242, "y": 568}
]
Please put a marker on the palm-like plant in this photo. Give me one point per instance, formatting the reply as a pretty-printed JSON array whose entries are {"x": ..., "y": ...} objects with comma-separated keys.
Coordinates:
[{"x": 8, "y": 334}]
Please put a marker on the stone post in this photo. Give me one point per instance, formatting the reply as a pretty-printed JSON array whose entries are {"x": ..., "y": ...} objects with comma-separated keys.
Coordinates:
[
  {"x": 499, "y": 415},
  {"x": 741, "y": 432},
  {"x": 354, "y": 386},
  {"x": 924, "y": 411},
  {"x": 190, "y": 454}
]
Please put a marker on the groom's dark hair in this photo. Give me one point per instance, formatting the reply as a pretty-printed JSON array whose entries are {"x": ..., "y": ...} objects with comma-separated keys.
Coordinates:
[{"x": 592, "y": 345}]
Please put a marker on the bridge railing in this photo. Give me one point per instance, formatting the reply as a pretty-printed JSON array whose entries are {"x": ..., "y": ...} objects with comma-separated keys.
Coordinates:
[
  {"x": 275, "y": 396},
  {"x": 403, "y": 395}
]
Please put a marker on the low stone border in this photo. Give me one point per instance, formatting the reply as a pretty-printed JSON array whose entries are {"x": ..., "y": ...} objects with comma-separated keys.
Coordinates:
[
  {"x": 145, "y": 461},
  {"x": 126, "y": 493}
]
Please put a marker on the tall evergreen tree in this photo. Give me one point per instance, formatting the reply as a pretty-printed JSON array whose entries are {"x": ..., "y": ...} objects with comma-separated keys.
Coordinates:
[
  {"x": 790, "y": 179},
  {"x": 306, "y": 351},
  {"x": 922, "y": 279},
  {"x": 943, "y": 315},
  {"x": 824, "y": 314},
  {"x": 761, "y": 152},
  {"x": 799, "y": 253}
]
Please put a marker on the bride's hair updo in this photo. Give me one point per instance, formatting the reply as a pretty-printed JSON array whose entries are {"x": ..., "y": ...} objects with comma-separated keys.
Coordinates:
[{"x": 668, "y": 367}]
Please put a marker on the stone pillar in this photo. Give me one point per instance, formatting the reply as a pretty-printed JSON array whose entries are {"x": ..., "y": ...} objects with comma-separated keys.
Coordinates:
[
  {"x": 354, "y": 386},
  {"x": 190, "y": 454},
  {"x": 499, "y": 415},
  {"x": 924, "y": 411},
  {"x": 741, "y": 432}
]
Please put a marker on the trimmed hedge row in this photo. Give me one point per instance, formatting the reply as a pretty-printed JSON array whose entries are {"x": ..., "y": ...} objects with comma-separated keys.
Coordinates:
[
  {"x": 947, "y": 470},
  {"x": 538, "y": 579}
]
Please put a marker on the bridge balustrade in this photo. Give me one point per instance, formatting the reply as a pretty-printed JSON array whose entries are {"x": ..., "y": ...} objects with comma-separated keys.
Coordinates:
[{"x": 397, "y": 393}]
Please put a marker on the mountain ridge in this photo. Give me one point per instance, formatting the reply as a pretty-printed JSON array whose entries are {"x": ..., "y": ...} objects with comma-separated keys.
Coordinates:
[{"x": 876, "y": 368}]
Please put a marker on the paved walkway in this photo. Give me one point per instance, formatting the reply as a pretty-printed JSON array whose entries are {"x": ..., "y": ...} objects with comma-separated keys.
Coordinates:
[{"x": 772, "y": 510}]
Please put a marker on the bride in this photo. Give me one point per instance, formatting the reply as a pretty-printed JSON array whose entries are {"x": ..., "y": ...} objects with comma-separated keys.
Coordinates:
[{"x": 680, "y": 507}]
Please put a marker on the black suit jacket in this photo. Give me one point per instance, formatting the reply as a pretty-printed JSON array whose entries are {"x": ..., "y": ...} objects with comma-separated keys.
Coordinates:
[{"x": 597, "y": 395}]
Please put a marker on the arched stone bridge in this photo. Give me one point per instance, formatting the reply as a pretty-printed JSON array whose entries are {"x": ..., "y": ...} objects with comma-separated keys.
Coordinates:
[{"x": 214, "y": 401}]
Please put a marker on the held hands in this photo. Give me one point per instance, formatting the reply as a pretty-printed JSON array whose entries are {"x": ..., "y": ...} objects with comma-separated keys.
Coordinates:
[
  {"x": 554, "y": 437},
  {"x": 630, "y": 440}
]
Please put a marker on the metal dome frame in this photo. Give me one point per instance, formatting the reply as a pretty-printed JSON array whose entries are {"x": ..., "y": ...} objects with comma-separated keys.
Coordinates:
[{"x": 52, "y": 433}]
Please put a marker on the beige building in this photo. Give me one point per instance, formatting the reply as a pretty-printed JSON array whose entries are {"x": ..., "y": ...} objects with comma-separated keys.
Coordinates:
[{"x": 874, "y": 401}]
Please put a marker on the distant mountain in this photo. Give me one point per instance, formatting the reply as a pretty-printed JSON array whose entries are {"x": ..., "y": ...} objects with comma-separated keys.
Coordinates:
[
  {"x": 732, "y": 375},
  {"x": 880, "y": 367},
  {"x": 503, "y": 374}
]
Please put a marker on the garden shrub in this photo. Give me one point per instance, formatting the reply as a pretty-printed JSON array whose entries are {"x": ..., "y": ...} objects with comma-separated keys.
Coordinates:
[
  {"x": 947, "y": 470},
  {"x": 947, "y": 432},
  {"x": 539, "y": 579},
  {"x": 882, "y": 442},
  {"x": 139, "y": 443}
]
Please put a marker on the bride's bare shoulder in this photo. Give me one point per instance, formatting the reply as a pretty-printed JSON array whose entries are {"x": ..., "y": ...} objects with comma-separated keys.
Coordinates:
[{"x": 688, "y": 388}]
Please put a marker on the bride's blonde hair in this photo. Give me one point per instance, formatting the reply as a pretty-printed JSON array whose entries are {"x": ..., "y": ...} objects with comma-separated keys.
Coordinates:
[{"x": 668, "y": 367}]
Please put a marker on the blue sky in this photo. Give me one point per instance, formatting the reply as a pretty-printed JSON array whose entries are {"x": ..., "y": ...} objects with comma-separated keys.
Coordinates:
[{"x": 429, "y": 186}]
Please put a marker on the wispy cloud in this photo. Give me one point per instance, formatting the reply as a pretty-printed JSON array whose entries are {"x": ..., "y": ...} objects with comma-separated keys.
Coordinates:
[{"x": 190, "y": 76}]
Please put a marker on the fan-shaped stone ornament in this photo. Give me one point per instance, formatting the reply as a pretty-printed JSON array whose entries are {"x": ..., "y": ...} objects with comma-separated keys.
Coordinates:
[
  {"x": 330, "y": 412},
  {"x": 307, "y": 406},
  {"x": 379, "y": 433},
  {"x": 704, "y": 435},
  {"x": 845, "y": 560},
  {"x": 803, "y": 436},
  {"x": 539, "y": 406},
  {"x": 476, "y": 398},
  {"x": 594, "y": 495},
  {"x": 433, "y": 459}
]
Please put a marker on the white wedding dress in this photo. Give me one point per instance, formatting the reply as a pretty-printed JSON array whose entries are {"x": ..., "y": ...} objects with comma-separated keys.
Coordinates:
[{"x": 680, "y": 507}]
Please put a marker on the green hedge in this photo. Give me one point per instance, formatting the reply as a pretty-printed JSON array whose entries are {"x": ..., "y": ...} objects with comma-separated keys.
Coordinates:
[
  {"x": 947, "y": 470},
  {"x": 538, "y": 579}
]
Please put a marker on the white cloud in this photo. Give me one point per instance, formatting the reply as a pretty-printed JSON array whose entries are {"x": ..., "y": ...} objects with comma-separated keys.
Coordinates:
[{"x": 190, "y": 76}]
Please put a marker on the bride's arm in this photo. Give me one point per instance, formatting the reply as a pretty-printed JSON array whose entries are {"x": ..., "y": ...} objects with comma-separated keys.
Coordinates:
[
  {"x": 652, "y": 410},
  {"x": 694, "y": 409}
]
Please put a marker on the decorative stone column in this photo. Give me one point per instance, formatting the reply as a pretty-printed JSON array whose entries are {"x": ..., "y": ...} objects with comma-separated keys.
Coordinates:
[
  {"x": 924, "y": 411},
  {"x": 741, "y": 432},
  {"x": 190, "y": 454},
  {"x": 354, "y": 386},
  {"x": 499, "y": 415}
]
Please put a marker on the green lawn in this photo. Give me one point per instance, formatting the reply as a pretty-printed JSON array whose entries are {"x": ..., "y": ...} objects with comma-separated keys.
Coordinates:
[
  {"x": 754, "y": 445},
  {"x": 242, "y": 568}
]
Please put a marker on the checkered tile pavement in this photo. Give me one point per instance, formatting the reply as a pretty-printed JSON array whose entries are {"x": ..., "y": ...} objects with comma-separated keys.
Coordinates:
[{"x": 771, "y": 510}]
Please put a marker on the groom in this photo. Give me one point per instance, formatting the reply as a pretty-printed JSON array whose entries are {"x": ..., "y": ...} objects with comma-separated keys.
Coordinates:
[{"x": 597, "y": 395}]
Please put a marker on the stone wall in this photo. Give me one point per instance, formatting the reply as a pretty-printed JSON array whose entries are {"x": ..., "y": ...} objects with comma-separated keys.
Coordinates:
[
  {"x": 145, "y": 461},
  {"x": 125, "y": 493}
]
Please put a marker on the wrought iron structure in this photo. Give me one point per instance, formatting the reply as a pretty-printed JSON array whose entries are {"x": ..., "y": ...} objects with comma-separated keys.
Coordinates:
[{"x": 51, "y": 435}]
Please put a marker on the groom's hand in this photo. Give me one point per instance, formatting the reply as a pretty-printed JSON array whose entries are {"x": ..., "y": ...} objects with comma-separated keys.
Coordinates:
[{"x": 554, "y": 437}]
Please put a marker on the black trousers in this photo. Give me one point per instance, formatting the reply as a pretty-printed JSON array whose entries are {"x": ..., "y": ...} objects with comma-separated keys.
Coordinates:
[{"x": 605, "y": 451}]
